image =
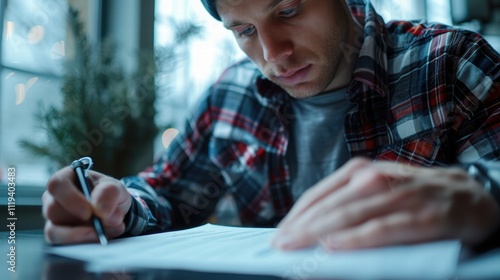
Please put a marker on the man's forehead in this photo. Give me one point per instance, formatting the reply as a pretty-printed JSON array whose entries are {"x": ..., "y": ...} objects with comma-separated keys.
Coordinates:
[
  {"x": 223, "y": 6},
  {"x": 232, "y": 3},
  {"x": 211, "y": 5}
]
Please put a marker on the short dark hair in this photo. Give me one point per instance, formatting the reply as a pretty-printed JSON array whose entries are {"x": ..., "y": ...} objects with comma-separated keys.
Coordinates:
[{"x": 211, "y": 8}]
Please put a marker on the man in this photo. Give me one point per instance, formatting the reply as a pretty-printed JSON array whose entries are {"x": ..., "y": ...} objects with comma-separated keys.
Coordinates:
[{"x": 326, "y": 83}]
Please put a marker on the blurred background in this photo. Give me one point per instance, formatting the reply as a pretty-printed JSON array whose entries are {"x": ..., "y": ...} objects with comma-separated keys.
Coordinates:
[{"x": 164, "y": 54}]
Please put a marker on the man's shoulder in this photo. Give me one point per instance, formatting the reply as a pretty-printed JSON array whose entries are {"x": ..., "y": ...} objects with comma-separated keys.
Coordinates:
[
  {"x": 235, "y": 85},
  {"x": 432, "y": 40},
  {"x": 418, "y": 28},
  {"x": 241, "y": 73},
  {"x": 406, "y": 33}
]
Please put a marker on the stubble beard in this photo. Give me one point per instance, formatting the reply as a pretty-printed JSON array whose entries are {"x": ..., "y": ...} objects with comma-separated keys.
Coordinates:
[{"x": 325, "y": 69}]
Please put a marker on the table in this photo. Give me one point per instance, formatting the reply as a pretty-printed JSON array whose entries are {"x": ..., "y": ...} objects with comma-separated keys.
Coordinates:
[{"x": 33, "y": 263}]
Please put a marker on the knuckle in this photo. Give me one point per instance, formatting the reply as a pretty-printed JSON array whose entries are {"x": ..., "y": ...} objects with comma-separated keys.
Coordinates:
[
  {"x": 358, "y": 162},
  {"x": 110, "y": 189},
  {"x": 457, "y": 174},
  {"x": 46, "y": 201},
  {"x": 431, "y": 219},
  {"x": 49, "y": 233},
  {"x": 372, "y": 179},
  {"x": 51, "y": 211},
  {"x": 379, "y": 229},
  {"x": 49, "y": 207},
  {"x": 57, "y": 180},
  {"x": 435, "y": 219},
  {"x": 53, "y": 184},
  {"x": 348, "y": 215}
]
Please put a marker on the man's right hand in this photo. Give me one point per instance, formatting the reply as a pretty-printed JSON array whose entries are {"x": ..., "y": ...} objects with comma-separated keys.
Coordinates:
[{"x": 68, "y": 213}]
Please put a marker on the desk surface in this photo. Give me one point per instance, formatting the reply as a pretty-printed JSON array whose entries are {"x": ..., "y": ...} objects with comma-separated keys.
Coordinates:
[{"x": 33, "y": 263}]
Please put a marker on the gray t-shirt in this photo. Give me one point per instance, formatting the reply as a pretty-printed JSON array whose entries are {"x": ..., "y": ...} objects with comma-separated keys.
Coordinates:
[{"x": 317, "y": 145}]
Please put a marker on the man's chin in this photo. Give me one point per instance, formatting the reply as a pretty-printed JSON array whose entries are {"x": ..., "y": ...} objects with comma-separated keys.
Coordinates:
[{"x": 299, "y": 92}]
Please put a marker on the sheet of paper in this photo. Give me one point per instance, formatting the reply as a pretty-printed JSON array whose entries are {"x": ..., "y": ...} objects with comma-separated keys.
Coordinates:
[{"x": 247, "y": 251}]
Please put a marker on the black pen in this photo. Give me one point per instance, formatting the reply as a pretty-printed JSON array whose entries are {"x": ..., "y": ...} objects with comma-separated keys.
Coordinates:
[{"x": 81, "y": 168}]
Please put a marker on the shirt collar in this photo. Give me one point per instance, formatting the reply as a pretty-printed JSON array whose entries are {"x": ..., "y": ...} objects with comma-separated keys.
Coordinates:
[
  {"x": 269, "y": 93},
  {"x": 371, "y": 68}
]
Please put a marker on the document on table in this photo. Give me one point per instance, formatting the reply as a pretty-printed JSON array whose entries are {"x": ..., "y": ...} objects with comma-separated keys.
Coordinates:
[{"x": 243, "y": 250}]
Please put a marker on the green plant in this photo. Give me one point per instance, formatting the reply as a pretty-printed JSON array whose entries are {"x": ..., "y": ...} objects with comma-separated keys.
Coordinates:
[{"x": 106, "y": 113}]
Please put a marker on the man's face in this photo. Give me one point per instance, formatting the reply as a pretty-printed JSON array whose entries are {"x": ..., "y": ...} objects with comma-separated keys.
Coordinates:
[{"x": 297, "y": 44}]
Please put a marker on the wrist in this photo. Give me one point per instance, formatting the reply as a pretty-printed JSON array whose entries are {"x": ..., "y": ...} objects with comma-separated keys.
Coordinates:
[
  {"x": 136, "y": 218},
  {"x": 487, "y": 173}
]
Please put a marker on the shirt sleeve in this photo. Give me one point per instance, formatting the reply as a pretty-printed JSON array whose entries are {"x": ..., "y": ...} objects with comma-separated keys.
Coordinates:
[
  {"x": 140, "y": 219},
  {"x": 182, "y": 187},
  {"x": 487, "y": 173},
  {"x": 476, "y": 118}
]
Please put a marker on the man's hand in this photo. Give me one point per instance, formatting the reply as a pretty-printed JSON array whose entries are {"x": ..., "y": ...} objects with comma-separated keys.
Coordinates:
[
  {"x": 68, "y": 213},
  {"x": 368, "y": 204}
]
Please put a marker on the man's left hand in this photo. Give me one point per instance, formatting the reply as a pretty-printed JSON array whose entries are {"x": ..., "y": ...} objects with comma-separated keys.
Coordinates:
[{"x": 372, "y": 204}]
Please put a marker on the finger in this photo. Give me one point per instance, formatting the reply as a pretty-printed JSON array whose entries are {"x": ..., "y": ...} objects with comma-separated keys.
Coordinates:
[
  {"x": 54, "y": 212},
  {"x": 352, "y": 214},
  {"x": 323, "y": 188},
  {"x": 110, "y": 201},
  {"x": 104, "y": 199},
  {"x": 65, "y": 192},
  {"x": 57, "y": 234},
  {"x": 311, "y": 223},
  {"x": 394, "y": 229}
]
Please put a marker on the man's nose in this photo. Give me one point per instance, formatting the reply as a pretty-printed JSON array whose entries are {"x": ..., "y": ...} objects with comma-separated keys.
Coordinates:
[{"x": 276, "y": 45}]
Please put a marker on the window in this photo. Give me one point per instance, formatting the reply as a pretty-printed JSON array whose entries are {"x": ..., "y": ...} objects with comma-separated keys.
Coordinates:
[
  {"x": 202, "y": 62},
  {"x": 32, "y": 51},
  {"x": 33, "y": 47},
  {"x": 433, "y": 11}
]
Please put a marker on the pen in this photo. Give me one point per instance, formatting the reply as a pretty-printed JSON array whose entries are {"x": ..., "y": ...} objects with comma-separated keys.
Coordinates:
[{"x": 81, "y": 167}]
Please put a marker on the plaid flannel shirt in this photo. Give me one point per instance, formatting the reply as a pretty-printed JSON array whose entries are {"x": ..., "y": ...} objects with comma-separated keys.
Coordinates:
[{"x": 423, "y": 94}]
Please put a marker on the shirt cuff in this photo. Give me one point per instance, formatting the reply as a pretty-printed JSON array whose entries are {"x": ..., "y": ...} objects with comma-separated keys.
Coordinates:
[
  {"x": 137, "y": 218},
  {"x": 487, "y": 173}
]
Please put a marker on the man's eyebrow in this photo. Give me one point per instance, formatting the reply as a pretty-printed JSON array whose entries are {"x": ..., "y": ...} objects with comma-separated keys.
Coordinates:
[
  {"x": 232, "y": 24},
  {"x": 267, "y": 9},
  {"x": 272, "y": 5}
]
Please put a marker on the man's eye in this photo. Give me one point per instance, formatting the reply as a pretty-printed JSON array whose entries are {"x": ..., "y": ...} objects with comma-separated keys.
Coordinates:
[
  {"x": 247, "y": 32},
  {"x": 290, "y": 12}
]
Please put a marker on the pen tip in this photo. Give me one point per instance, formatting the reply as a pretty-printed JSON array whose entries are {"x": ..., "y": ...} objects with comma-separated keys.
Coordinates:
[{"x": 103, "y": 240}]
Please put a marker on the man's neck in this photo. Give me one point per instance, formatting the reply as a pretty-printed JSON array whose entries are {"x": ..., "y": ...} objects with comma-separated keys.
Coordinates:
[{"x": 349, "y": 58}]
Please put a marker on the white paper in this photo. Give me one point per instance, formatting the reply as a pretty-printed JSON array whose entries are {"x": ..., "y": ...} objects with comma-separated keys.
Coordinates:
[{"x": 247, "y": 251}]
